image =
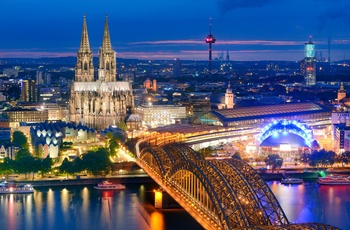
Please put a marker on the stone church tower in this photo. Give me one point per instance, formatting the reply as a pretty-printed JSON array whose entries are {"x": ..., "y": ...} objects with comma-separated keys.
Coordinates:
[
  {"x": 229, "y": 97},
  {"x": 102, "y": 102},
  {"x": 341, "y": 92}
]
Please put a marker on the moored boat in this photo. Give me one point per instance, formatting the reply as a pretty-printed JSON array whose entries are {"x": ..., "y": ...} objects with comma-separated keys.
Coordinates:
[
  {"x": 15, "y": 188},
  {"x": 292, "y": 180},
  {"x": 106, "y": 185},
  {"x": 334, "y": 180}
]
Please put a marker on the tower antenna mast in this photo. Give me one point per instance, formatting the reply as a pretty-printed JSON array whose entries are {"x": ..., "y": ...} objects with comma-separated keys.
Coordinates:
[{"x": 210, "y": 39}]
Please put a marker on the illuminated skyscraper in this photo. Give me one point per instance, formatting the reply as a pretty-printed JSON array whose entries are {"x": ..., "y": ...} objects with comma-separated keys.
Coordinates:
[
  {"x": 29, "y": 92},
  {"x": 310, "y": 63}
]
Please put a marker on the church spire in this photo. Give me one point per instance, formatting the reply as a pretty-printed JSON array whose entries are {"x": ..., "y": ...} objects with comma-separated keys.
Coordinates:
[
  {"x": 106, "y": 45},
  {"x": 84, "y": 44}
]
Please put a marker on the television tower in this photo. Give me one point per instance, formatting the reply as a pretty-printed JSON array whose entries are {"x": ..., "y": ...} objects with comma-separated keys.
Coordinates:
[{"x": 210, "y": 39}]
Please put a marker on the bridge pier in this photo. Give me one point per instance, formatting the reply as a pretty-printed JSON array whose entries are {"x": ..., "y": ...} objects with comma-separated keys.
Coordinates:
[
  {"x": 163, "y": 200},
  {"x": 158, "y": 198}
]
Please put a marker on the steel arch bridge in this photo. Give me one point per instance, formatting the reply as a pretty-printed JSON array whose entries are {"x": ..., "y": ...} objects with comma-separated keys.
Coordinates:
[{"x": 219, "y": 194}]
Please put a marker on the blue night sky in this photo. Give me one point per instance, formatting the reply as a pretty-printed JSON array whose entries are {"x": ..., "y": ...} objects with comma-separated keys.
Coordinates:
[{"x": 167, "y": 29}]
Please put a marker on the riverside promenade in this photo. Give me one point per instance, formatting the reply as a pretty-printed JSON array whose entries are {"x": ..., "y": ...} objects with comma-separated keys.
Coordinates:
[
  {"x": 141, "y": 177},
  {"x": 82, "y": 180}
]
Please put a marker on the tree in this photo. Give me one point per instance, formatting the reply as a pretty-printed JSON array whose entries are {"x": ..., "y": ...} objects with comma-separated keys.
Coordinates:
[
  {"x": 122, "y": 126},
  {"x": 274, "y": 160},
  {"x": 345, "y": 157},
  {"x": 45, "y": 165},
  {"x": 113, "y": 146},
  {"x": 66, "y": 167},
  {"x": 305, "y": 158},
  {"x": 19, "y": 139},
  {"x": 315, "y": 145},
  {"x": 6, "y": 168},
  {"x": 236, "y": 156},
  {"x": 22, "y": 153},
  {"x": 113, "y": 142},
  {"x": 322, "y": 157},
  {"x": 97, "y": 162},
  {"x": 79, "y": 165},
  {"x": 25, "y": 164}
]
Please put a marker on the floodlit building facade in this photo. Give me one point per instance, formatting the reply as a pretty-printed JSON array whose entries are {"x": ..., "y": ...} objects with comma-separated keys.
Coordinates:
[
  {"x": 102, "y": 102},
  {"x": 161, "y": 115}
]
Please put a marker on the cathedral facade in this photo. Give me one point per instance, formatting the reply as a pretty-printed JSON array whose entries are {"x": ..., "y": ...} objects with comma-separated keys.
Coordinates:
[{"x": 101, "y": 101}]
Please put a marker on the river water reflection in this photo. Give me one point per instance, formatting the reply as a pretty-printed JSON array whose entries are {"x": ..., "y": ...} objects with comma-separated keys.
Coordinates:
[{"x": 79, "y": 207}]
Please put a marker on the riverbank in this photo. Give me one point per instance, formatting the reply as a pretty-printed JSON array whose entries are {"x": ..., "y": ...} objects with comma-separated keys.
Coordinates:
[
  {"x": 124, "y": 179},
  {"x": 309, "y": 174}
]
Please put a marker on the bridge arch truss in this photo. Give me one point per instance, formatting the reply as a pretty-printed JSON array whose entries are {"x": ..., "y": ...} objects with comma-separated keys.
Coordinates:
[{"x": 220, "y": 194}]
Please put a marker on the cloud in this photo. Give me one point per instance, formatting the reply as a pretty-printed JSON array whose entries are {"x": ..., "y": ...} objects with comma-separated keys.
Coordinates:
[
  {"x": 168, "y": 42},
  {"x": 222, "y": 42},
  {"x": 228, "y": 5}
]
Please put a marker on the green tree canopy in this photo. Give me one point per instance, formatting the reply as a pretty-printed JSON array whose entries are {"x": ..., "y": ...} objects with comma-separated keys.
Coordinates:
[
  {"x": 19, "y": 139},
  {"x": 22, "y": 153},
  {"x": 66, "y": 167},
  {"x": 305, "y": 158},
  {"x": 25, "y": 164},
  {"x": 322, "y": 157},
  {"x": 79, "y": 165},
  {"x": 6, "y": 167},
  {"x": 122, "y": 126},
  {"x": 45, "y": 165},
  {"x": 97, "y": 162},
  {"x": 274, "y": 161}
]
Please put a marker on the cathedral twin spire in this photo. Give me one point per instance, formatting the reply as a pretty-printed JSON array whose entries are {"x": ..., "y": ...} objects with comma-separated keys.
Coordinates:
[
  {"x": 106, "y": 44},
  {"x": 107, "y": 59},
  {"x": 85, "y": 45}
]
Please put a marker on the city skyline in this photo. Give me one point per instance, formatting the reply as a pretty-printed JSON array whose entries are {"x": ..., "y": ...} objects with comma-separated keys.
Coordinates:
[{"x": 151, "y": 29}]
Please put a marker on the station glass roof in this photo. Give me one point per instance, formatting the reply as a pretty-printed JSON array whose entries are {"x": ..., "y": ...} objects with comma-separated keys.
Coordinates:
[{"x": 268, "y": 110}]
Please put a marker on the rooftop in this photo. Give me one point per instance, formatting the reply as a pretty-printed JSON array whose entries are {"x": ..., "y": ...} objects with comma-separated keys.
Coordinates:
[{"x": 246, "y": 113}]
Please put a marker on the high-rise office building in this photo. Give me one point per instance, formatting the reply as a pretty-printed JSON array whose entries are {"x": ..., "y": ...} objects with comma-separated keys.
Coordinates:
[
  {"x": 227, "y": 55},
  {"x": 29, "y": 91},
  {"x": 39, "y": 77},
  {"x": 105, "y": 102},
  {"x": 310, "y": 63},
  {"x": 177, "y": 68}
]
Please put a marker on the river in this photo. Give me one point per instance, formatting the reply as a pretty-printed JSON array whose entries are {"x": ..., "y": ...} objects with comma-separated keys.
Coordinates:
[{"x": 82, "y": 207}]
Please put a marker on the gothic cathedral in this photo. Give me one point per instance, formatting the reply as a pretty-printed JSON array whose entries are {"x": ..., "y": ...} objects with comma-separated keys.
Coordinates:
[{"x": 103, "y": 102}]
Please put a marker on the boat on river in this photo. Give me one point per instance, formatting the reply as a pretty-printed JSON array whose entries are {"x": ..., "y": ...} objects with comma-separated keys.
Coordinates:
[
  {"x": 334, "y": 180},
  {"x": 292, "y": 180},
  {"x": 15, "y": 188},
  {"x": 106, "y": 185}
]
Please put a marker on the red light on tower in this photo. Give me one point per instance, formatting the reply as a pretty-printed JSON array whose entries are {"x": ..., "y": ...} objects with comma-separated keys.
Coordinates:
[{"x": 210, "y": 39}]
